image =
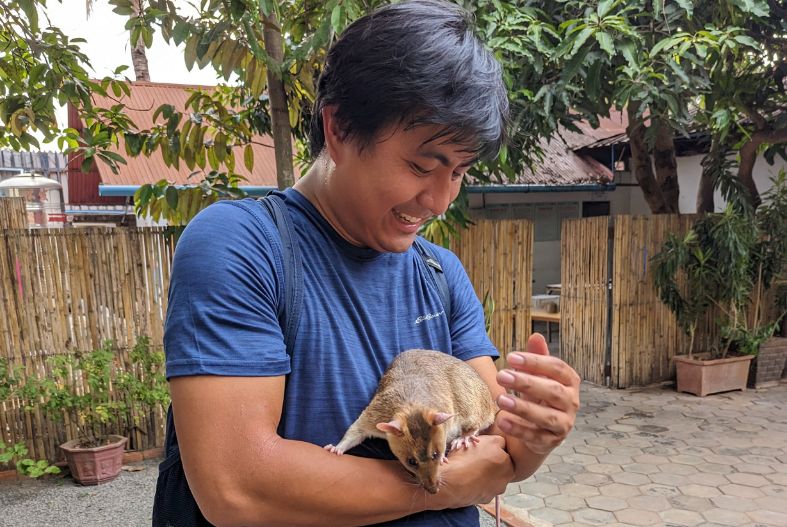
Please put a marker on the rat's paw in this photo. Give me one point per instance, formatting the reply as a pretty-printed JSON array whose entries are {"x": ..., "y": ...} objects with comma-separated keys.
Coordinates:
[
  {"x": 334, "y": 450},
  {"x": 464, "y": 442}
]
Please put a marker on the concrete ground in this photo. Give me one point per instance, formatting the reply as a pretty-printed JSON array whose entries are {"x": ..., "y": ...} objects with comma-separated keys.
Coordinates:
[{"x": 652, "y": 456}]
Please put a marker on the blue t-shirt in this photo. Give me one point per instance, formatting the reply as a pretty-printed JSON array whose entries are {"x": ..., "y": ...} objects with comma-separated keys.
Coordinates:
[{"x": 360, "y": 309}]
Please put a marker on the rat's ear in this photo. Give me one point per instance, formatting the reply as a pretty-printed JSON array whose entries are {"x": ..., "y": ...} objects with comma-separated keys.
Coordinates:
[
  {"x": 391, "y": 427},
  {"x": 440, "y": 417}
]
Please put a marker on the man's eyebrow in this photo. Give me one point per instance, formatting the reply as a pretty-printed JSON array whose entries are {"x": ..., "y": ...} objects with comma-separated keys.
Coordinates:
[{"x": 444, "y": 160}]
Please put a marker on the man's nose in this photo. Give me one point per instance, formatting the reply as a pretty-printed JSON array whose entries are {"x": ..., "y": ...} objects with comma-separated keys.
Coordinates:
[{"x": 439, "y": 195}]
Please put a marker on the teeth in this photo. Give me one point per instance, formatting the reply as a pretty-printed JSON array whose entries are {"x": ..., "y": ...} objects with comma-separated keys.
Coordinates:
[{"x": 408, "y": 219}]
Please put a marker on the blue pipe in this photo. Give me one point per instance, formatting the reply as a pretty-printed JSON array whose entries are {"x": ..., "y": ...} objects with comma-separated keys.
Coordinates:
[
  {"x": 494, "y": 189},
  {"x": 129, "y": 190}
]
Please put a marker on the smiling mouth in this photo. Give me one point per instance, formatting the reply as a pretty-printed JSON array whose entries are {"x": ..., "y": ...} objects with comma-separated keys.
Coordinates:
[{"x": 406, "y": 218}]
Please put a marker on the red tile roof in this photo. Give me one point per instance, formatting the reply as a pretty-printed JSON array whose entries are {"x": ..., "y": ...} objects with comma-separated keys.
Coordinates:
[{"x": 145, "y": 98}]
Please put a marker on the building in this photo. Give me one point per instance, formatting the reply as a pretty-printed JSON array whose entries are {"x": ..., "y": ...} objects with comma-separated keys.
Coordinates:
[{"x": 102, "y": 195}]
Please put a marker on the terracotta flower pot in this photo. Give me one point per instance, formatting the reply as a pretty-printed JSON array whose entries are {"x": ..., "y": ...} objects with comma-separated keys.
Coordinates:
[
  {"x": 93, "y": 466},
  {"x": 702, "y": 376}
]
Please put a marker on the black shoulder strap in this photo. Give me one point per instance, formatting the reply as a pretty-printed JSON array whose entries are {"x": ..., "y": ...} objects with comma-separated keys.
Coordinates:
[
  {"x": 436, "y": 271},
  {"x": 289, "y": 312}
]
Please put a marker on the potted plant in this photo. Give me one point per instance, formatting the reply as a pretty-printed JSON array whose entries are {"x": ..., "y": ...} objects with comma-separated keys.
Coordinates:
[
  {"x": 726, "y": 262},
  {"x": 106, "y": 399}
]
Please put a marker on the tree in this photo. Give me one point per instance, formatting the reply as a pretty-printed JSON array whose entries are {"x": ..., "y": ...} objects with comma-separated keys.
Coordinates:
[
  {"x": 746, "y": 105},
  {"x": 572, "y": 60},
  {"x": 141, "y": 37}
]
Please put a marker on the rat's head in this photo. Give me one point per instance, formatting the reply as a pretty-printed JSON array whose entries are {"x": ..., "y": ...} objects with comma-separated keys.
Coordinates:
[{"x": 417, "y": 439}]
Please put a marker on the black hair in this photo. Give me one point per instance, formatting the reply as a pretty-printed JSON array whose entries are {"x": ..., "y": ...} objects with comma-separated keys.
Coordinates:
[{"x": 416, "y": 63}]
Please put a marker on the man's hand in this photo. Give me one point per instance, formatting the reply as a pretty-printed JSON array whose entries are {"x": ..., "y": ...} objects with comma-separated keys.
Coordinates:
[
  {"x": 543, "y": 410},
  {"x": 474, "y": 475}
]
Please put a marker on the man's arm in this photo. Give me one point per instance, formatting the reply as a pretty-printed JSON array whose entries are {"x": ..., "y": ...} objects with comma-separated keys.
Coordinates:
[
  {"x": 543, "y": 414},
  {"x": 242, "y": 473}
]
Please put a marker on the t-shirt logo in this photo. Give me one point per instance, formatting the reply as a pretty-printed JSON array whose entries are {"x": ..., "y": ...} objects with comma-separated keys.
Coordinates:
[{"x": 429, "y": 316}]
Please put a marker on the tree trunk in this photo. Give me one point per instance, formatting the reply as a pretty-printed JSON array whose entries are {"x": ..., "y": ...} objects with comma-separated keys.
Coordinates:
[
  {"x": 710, "y": 166},
  {"x": 666, "y": 165},
  {"x": 641, "y": 164},
  {"x": 748, "y": 156},
  {"x": 280, "y": 115},
  {"x": 139, "y": 58},
  {"x": 140, "y": 61}
]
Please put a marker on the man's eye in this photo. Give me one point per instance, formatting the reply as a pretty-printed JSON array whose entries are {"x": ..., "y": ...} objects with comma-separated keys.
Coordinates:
[
  {"x": 419, "y": 169},
  {"x": 456, "y": 175},
  {"x": 412, "y": 462}
]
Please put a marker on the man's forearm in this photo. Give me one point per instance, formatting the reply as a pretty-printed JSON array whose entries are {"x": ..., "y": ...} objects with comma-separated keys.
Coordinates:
[{"x": 299, "y": 484}]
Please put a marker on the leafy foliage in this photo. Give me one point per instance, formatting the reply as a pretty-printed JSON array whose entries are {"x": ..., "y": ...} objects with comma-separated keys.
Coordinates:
[
  {"x": 106, "y": 395},
  {"x": 726, "y": 261},
  {"x": 24, "y": 465}
]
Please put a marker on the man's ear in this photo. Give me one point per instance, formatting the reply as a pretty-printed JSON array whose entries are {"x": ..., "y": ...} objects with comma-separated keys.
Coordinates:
[{"x": 335, "y": 138}]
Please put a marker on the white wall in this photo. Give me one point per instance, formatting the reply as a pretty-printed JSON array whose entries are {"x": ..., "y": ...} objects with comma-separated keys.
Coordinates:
[{"x": 690, "y": 170}]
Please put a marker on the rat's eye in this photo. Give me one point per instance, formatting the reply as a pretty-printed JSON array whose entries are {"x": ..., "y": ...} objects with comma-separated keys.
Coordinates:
[
  {"x": 412, "y": 462},
  {"x": 435, "y": 455}
]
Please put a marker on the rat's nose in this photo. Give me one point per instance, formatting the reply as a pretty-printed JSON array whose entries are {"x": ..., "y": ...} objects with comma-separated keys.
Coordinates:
[{"x": 431, "y": 489}]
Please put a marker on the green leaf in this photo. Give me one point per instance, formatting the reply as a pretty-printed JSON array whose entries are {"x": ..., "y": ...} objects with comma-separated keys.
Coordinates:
[
  {"x": 688, "y": 6},
  {"x": 267, "y": 7},
  {"x": 190, "y": 53},
  {"x": 30, "y": 9},
  {"x": 579, "y": 42},
  {"x": 753, "y": 7},
  {"x": 573, "y": 65},
  {"x": 248, "y": 157},
  {"x": 172, "y": 197},
  {"x": 337, "y": 18},
  {"x": 605, "y": 41},
  {"x": 746, "y": 40},
  {"x": 604, "y": 7},
  {"x": 630, "y": 52}
]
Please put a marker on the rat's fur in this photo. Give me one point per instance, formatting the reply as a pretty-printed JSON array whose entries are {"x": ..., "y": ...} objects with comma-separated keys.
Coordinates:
[{"x": 426, "y": 400}]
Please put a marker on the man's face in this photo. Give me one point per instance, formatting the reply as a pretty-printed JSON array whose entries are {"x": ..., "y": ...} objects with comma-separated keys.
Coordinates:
[{"x": 380, "y": 197}]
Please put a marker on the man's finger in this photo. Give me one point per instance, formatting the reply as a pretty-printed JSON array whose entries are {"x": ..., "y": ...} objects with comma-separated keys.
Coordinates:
[{"x": 537, "y": 344}]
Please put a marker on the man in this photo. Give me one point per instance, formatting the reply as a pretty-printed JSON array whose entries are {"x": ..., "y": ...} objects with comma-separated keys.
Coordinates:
[{"x": 407, "y": 102}]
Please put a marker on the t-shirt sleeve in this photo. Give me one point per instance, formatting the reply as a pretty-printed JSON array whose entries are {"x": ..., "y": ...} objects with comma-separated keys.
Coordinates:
[
  {"x": 223, "y": 296},
  {"x": 468, "y": 332}
]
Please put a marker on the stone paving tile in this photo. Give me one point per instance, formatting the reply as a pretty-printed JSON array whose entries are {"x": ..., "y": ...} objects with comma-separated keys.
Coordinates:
[
  {"x": 618, "y": 490},
  {"x": 607, "y": 503},
  {"x": 725, "y": 517},
  {"x": 638, "y": 517},
  {"x": 651, "y": 456},
  {"x": 681, "y": 517},
  {"x": 701, "y": 491},
  {"x": 579, "y": 490},
  {"x": 768, "y": 517}
]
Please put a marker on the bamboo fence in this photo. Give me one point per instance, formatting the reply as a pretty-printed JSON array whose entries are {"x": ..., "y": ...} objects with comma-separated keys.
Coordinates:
[
  {"x": 584, "y": 281},
  {"x": 13, "y": 214},
  {"x": 66, "y": 291},
  {"x": 497, "y": 255},
  {"x": 645, "y": 334},
  {"x": 624, "y": 335}
]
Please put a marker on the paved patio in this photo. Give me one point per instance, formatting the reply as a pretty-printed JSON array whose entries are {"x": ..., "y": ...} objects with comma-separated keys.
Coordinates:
[{"x": 652, "y": 456}]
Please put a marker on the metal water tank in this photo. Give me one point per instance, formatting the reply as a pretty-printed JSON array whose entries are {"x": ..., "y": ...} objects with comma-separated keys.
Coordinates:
[{"x": 43, "y": 199}]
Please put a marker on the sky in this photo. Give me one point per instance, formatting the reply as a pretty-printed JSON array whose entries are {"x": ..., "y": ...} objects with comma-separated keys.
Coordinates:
[{"x": 107, "y": 45}]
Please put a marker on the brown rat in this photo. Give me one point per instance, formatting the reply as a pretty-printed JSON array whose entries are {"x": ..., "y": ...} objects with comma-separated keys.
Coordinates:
[{"x": 426, "y": 401}]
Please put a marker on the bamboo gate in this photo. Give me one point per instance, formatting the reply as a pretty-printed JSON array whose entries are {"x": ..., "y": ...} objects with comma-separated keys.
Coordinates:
[
  {"x": 614, "y": 329},
  {"x": 64, "y": 291},
  {"x": 498, "y": 255}
]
